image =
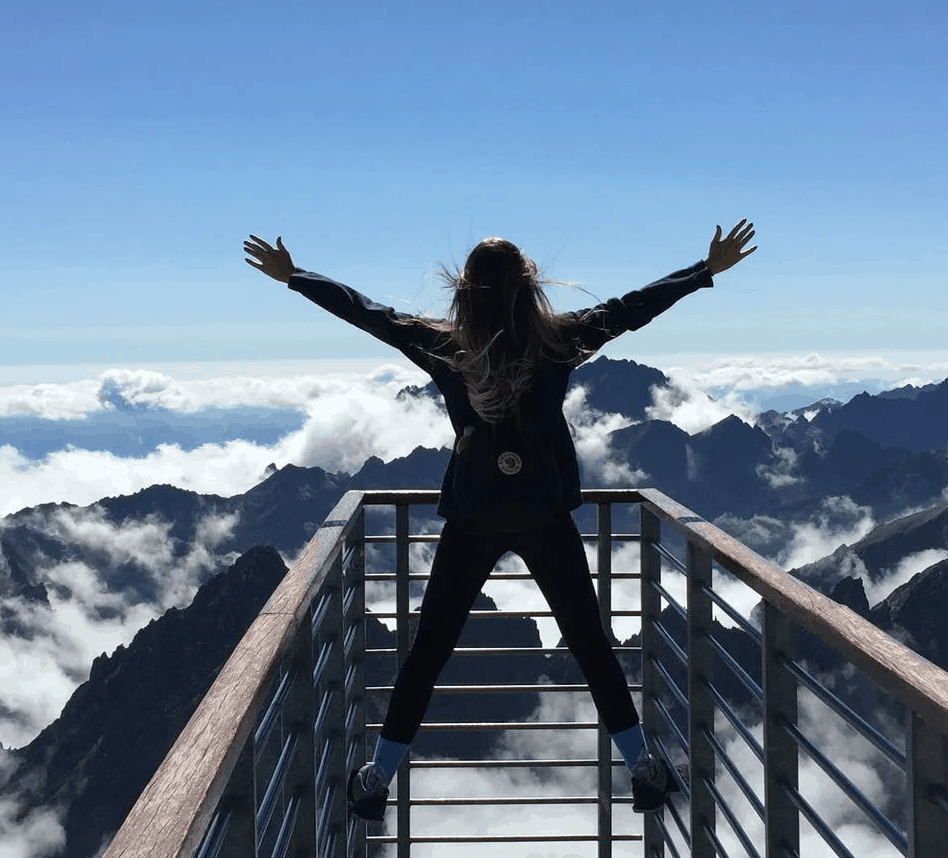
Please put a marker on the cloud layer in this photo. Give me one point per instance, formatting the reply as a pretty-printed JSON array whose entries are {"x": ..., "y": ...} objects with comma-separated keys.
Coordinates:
[{"x": 49, "y": 648}]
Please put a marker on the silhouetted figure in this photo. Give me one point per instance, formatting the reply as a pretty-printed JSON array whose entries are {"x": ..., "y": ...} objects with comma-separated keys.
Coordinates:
[{"x": 502, "y": 360}]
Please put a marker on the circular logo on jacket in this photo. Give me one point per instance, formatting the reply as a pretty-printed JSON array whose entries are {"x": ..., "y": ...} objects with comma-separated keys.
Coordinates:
[{"x": 509, "y": 463}]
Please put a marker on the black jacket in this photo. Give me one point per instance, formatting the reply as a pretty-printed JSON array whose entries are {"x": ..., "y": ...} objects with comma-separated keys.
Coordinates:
[{"x": 541, "y": 408}]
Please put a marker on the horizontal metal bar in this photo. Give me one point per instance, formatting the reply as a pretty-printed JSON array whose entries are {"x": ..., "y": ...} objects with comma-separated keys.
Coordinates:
[
  {"x": 674, "y": 561},
  {"x": 348, "y": 640},
  {"x": 735, "y": 773},
  {"x": 389, "y": 538},
  {"x": 349, "y": 598},
  {"x": 216, "y": 834},
  {"x": 350, "y": 678},
  {"x": 324, "y": 652},
  {"x": 666, "y": 834},
  {"x": 350, "y": 717},
  {"x": 670, "y": 684},
  {"x": 746, "y": 679},
  {"x": 679, "y": 736},
  {"x": 494, "y": 576},
  {"x": 286, "y": 828},
  {"x": 878, "y": 818},
  {"x": 268, "y": 803},
  {"x": 716, "y": 844},
  {"x": 322, "y": 828},
  {"x": 856, "y": 721},
  {"x": 262, "y": 732},
  {"x": 672, "y": 603},
  {"x": 731, "y": 819},
  {"x": 732, "y": 613},
  {"x": 351, "y": 756},
  {"x": 510, "y": 838},
  {"x": 351, "y": 828},
  {"x": 492, "y": 689},
  {"x": 574, "y": 799},
  {"x": 319, "y": 612},
  {"x": 393, "y": 615},
  {"x": 348, "y": 553},
  {"x": 505, "y": 764},
  {"x": 683, "y": 830},
  {"x": 512, "y": 650},
  {"x": 324, "y": 706},
  {"x": 811, "y": 816},
  {"x": 725, "y": 708},
  {"x": 436, "y": 726},
  {"x": 672, "y": 643},
  {"x": 684, "y": 786},
  {"x": 323, "y": 769}
]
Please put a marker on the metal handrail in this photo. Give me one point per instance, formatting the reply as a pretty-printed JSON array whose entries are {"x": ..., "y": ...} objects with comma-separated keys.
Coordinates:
[{"x": 312, "y": 629}]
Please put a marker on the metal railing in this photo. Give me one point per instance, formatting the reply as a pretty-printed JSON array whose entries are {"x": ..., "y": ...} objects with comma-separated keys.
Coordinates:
[{"x": 261, "y": 767}]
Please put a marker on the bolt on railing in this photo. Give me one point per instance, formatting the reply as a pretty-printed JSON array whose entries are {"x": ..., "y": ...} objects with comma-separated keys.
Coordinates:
[{"x": 261, "y": 767}]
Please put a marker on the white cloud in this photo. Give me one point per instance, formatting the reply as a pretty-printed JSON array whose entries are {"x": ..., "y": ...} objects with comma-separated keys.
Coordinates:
[
  {"x": 591, "y": 429},
  {"x": 142, "y": 388},
  {"x": 685, "y": 402},
  {"x": 349, "y": 418},
  {"x": 859, "y": 761},
  {"x": 51, "y": 654},
  {"x": 779, "y": 472},
  {"x": 904, "y": 571},
  {"x": 39, "y": 835},
  {"x": 839, "y": 521},
  {"x": 774, "y": 371}
]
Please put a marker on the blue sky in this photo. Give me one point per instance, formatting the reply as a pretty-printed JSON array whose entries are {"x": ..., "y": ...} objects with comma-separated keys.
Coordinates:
[{"x": 143, "y": 141}]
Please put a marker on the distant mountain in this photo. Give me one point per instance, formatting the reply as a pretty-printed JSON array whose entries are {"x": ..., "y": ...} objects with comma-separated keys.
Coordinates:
[
  {"x": 886, "y": 453},
  {"x": 915, "y": 613},
  {"x": 96, "y": 758},
  {"x": 92, "y": 763},
  {"x": 612, "y": 386},
  {"x": 881, "y": 550},
  {"x": 917, "y": 421}
]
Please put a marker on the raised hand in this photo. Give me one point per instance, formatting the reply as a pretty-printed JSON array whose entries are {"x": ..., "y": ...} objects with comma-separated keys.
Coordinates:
[
  {"x": 275, "y": 262},
  {"x": 726, "y": 252}
]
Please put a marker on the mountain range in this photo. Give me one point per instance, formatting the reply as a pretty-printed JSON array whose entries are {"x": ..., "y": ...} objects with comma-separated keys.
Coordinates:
[{"x": 881, "y": 458}]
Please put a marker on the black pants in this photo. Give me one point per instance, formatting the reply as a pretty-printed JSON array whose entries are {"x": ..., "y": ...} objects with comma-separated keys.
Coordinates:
[{"x": 462, "y": 563}]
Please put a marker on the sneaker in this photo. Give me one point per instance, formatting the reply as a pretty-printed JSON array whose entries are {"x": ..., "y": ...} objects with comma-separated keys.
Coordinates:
[
  {"x": 651, "y": 783},
  {"x": 368, "y": 792}
]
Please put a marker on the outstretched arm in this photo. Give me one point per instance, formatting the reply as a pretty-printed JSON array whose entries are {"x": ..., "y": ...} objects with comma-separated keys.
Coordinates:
[
  {"x": 598, "y": 325},
  {"x": 727, "y": 252},
  {"x": 275, "y": 262},
  {"x": 415, "y": 341}
]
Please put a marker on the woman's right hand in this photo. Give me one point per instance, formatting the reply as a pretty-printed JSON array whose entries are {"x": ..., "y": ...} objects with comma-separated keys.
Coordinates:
[
  {"x": 275, "y": 262},
  {"x": 727, "y": 252}
]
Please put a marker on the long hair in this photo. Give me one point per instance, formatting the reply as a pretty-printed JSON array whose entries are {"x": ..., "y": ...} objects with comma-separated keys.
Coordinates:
[{"x": 501, "y": 324}]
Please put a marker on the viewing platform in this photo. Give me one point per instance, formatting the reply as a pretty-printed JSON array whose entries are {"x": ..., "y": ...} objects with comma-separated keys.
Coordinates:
[{"x": 261, "y": 767}]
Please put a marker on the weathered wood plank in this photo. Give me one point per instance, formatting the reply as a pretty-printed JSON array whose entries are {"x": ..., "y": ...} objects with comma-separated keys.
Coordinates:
[
  {"x": 302, "y": 582},
  {"x": 176, "y": 807}
]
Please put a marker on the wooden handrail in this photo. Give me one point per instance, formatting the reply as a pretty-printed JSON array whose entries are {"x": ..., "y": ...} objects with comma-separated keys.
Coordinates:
[
  {"x": 176, "y": 807},
  {"x": 920, "y": 684},
  {"x": 174, "y": 810}
]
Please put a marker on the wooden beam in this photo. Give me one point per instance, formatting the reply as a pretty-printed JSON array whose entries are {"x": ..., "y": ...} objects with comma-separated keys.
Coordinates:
[{"x": 174, "y": 810}]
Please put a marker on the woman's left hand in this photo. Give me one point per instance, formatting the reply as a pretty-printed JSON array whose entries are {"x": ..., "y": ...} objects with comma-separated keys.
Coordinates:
[
  {"x": 275, "y": 262},
  {"x": 728, "y": 251}
]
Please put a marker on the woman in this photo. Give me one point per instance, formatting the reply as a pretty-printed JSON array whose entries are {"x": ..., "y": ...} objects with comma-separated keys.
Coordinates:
[{"x": 502, "y": 360}]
